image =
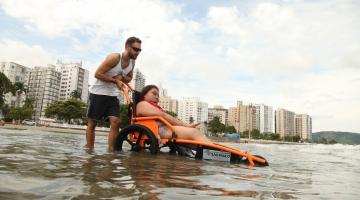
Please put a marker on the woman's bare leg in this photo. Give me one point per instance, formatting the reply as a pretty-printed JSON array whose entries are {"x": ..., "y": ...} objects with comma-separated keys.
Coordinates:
[{"x": 187, "y": 133}]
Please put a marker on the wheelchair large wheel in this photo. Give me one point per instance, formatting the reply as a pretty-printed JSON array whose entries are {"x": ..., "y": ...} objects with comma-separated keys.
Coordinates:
[{"x": 124, "y": 141}]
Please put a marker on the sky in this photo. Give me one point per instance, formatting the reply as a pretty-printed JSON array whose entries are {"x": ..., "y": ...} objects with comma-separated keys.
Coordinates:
[{"x": 303, "y": 56}]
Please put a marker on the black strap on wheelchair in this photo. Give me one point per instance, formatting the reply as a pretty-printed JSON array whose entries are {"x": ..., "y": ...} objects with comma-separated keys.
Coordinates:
[{"x": 135, "y": 101}]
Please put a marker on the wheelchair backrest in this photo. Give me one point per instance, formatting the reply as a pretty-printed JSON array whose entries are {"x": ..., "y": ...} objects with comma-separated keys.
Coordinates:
[{"x": 132, "y": 106}]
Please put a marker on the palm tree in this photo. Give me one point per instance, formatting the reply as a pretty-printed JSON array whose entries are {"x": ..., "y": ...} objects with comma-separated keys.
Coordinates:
[
  {"x": 28, "y": 103},
  {"x": 18, "y": 89}
]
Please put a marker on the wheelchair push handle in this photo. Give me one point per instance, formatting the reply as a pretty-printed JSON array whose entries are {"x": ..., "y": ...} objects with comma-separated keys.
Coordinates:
[{"x": 125, "y": 87}]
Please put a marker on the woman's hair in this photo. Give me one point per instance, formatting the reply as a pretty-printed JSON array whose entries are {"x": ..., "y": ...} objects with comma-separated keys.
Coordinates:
[{"x": 145, "y": 90}]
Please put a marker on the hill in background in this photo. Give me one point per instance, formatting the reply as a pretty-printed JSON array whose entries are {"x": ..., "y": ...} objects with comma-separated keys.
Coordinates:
[{"x": 339, "y": 137}]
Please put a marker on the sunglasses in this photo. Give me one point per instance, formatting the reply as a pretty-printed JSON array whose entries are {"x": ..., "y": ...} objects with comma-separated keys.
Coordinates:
[{"x": 136, "y": 49}]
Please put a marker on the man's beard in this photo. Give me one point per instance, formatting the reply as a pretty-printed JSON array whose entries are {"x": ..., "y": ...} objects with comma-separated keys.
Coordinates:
[{"x": 132, "y": 56}]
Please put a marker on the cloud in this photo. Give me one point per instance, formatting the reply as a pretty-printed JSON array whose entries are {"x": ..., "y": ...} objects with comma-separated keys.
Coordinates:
[
  {"x": 289, "y": 38},
  {"x": 21, "y": 53},
  {"x": 104, "y": 26}
]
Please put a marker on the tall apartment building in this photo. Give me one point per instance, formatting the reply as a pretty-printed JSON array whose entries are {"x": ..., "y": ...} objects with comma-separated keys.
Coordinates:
[
  {"x": 192, "y": 107},
  {"x": 250, "y": 117},
  {"x": 169, "y": 104},
  {"x": 264, "y": 118},
  {"x": 162, "y": 90},
  {"x": 284, "y": 122},
  {"x": 138, "y": 82},
  {"x": 303, "y": 126},
  {"x": 44, "y": 87},
  {"x": 15, "y": 73},
  {"x": 73, "y": 77},
  {"x": 218, "y": 111},
  {"x": 242, "y": 117}
]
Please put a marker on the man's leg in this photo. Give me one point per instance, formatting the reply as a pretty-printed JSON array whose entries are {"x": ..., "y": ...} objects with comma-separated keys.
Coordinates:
[
  {"x": 114, "y": 130},
  {"x": 90, "y": 133}
]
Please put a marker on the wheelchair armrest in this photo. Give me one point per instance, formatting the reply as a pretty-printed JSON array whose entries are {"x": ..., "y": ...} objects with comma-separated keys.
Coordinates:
[{"x": 155, "y": 118}]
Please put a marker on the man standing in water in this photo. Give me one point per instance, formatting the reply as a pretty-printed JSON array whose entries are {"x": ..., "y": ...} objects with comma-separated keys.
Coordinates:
[{"x": 103, "y": 102}]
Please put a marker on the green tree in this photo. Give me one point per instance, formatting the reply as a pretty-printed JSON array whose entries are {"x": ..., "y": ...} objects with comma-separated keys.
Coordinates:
[
  {"x": 124, "y": 115},
  {"x": 295, "y": 138},
  {"x": 288, "y": 138},
  {"x": 245, "y": 134},
  {"x": 18, "y": 89},
  {"x": 67, "y": 110},
  {"x": 215, "y": 126},
  {"x": 230, "y": 129},
  {"x": 5, "y": 111},
  {"x": 255, "y": 133},
  {"x": 332, "y": 141},
  {"x": 171, "y": 113},
  {"x": 29, "y": 101},
  {"x": 75, "y": 94},
  {"x": 191, "y": 120},
  {"x": 274, "y": 136},
  {"x": 323, "y": 141},
  {"x": 20, "y": 113},
  {"x": 5, "y": 87}
]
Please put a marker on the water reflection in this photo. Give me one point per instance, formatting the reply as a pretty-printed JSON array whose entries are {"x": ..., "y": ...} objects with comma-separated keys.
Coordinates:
[
  {"x": 159, "y": 176},
  {"x": 134, "y": 174}
]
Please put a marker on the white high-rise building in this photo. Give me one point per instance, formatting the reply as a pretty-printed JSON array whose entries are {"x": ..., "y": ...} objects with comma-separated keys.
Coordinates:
[
  {"x": 168, "y": 104},
  {"x": 162, "y": 91},
  {"x": 284, "y": 122},
  {"x": 303, "y": 126},
  {"x": 193, "y": 108},
  {"x": 264, "y": 118},
  {"x": 15, "y": 73},
  {"x": 73, "y": 77},
  {"x": 43, "y": 86},
  {"x": 242, "y": 117},
  {"x": 218, "y": 111},
  {"x": 138, "y": 82}
]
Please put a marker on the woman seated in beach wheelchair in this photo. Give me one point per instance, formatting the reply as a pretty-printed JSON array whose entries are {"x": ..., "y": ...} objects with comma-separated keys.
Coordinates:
[{"x": 152, "y": 127}]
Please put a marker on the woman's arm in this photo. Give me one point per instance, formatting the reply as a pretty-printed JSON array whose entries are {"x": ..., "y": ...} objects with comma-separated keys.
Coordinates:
[{"x": 145, "y": 109}]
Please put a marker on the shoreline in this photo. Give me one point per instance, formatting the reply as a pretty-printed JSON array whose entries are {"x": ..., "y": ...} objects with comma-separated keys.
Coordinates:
[
  {"x": 50, "y": 129},
  {"x": 105, "y": 133}
]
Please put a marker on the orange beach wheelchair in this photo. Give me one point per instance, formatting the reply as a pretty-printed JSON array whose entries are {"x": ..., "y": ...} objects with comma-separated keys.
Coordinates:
[{"x": 141, "y": 135}]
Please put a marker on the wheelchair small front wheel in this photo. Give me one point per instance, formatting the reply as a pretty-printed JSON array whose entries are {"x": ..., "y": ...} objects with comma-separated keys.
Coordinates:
[{"x": 136, "y": 137}]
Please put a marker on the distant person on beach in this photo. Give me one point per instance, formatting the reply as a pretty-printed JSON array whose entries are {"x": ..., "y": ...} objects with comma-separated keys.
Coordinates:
[
  {"x": 115, "y": 70},
  {"x": 148, "y": 106}
]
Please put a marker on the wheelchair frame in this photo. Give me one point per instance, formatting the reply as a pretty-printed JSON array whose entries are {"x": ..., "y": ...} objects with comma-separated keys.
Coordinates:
[{"x": 142, "y": 135}]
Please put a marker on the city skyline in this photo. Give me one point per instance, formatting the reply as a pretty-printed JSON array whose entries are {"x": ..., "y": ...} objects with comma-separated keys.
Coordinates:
[
  {"x": 46, "y": 85},
  {"x": 300, "y": 55}
]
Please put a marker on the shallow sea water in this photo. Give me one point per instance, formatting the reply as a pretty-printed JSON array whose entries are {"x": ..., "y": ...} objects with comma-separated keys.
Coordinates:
[{"x": 46, "y": 165}]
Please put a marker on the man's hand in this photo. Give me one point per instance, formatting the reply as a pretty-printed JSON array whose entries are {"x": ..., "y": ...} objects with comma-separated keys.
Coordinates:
[
  {"x": 118, "y": 81},
  {"x": 117, "y": 78}
]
